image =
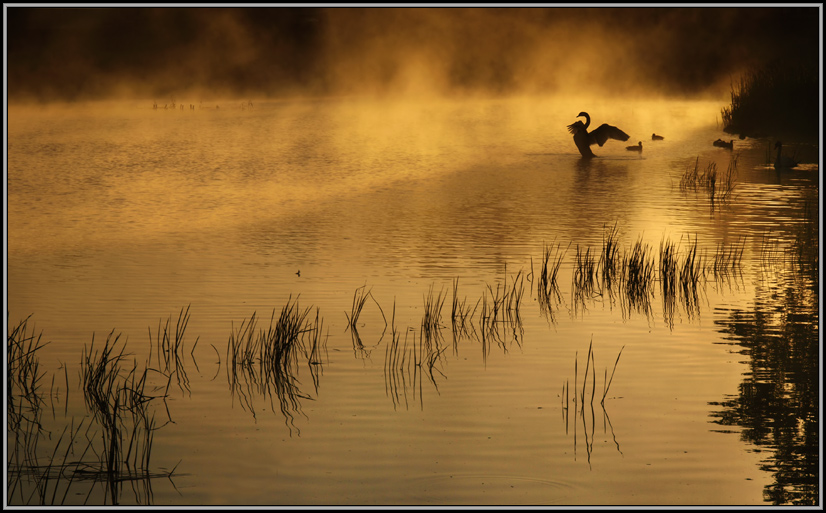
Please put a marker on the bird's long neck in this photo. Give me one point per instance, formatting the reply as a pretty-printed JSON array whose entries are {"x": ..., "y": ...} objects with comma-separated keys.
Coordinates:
[
  {"x": 779, "y": 149},
  {"x": 587, "y": 119}
]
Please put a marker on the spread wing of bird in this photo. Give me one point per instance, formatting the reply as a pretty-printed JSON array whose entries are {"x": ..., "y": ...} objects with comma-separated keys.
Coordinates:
[
  {"x": 605, "y": 132},
  {"x": 576, "y": 126}
]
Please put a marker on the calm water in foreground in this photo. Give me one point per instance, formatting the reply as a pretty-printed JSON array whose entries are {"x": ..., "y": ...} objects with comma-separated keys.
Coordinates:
[{"x": 121, "y": 216}]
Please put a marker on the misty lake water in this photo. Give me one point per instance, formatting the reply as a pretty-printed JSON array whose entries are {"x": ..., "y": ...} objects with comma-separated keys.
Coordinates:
[{"x": 121, "y": 215}]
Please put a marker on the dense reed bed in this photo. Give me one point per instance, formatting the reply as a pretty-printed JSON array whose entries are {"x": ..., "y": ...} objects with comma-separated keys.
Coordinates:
[{"x": 779, "y": 100}]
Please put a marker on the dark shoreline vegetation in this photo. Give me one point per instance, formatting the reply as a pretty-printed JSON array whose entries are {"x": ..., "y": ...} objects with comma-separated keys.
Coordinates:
[
  {"x": 775, "y": 101},
  {"x": 126, "y": 404}
]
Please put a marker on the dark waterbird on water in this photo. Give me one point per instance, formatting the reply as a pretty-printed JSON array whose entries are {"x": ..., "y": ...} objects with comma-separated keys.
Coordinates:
[
  {"x": 584, "y": 139},
  {"x": 783, "y": 161},
  {"x": 723, "y": 144},
  {"x": 637, "y": 147},
  {"x": 655, "y": 137}
]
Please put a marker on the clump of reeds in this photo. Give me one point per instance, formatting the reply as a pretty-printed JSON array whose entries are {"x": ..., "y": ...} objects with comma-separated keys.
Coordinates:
[
  {"x": 402, "y": 367},
  {"x": 118, "y": 451},
  {"x": 727, "y": 258},
  {"x": 112, "y": 395},
  {"x": 317, "y": 345},
  {"x": 668, "y": 265},
  {"x": 406, "y": 362},
  {"x": 431, "y": 347},
  {"x": 24, "y": 406},
  {"x": 547, "y": 286},
  {"x": 549, "y": 269},
  {"x": 169, "y": 347},
  {"x": 693, "y": 267},
  {"x": 718, "y": 185},
  {"x": 432, "y": 318},
  {"x": 119, "y": 401},
  {"x": 512, "y": 297},
  {"x": 589, "y": 377},
  {"x": 778, "y": 99},
  {"x": 392, "y": 374},
  {"x": 609, "y": 256},
  {"x": 266, "y": 362},
  {"x": 691, "y": 271},
  {"x": 461, "y": 314},
  {"x": 24, "y": 377},
  {"x": 691, "y": 176},
  {"x": 668, "y": 278},
  {"x": 584, "y": 276},
  {"x": 500, "y": 311},
  {"x": 360, "y": 297},
  {"x": 638, "y": 276}
]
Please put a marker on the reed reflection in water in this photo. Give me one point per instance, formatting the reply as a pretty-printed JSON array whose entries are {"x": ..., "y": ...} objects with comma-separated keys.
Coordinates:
[{"x": 778, "y": 402}]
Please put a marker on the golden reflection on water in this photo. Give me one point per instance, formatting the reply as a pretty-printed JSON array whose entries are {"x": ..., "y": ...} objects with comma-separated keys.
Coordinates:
[
  {"x": 121, "y": 216},
  {"x": 159, "y": 171}
]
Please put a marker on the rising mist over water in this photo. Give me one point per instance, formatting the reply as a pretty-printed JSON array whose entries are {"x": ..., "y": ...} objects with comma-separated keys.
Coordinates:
[{"x": 98, "y": 53}]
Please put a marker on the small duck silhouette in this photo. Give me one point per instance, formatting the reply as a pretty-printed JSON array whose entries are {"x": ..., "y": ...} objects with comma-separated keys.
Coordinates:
[
  {"x": 723, "y": 144},
  {"x": 638, "y": 147},
  {"x": 298, "y": 273},
  {"x": 655, "y": 137}
]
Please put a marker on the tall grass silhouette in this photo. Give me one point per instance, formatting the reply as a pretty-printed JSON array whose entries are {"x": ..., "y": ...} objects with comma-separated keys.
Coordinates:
[{"x": 265, "y": 362}]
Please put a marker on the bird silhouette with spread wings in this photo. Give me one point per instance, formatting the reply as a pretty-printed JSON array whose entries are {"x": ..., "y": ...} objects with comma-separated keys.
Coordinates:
[{"x": 584, "y": 139}]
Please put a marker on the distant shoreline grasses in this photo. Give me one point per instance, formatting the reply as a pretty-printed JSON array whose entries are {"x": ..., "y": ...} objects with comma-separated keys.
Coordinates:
[{"x": 778, "y": 101}]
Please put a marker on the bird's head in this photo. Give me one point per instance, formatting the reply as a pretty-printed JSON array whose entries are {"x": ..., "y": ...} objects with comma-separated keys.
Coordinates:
[
  {"x": 582, "y": 115},
  {"x": 778, "y": 144}
]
